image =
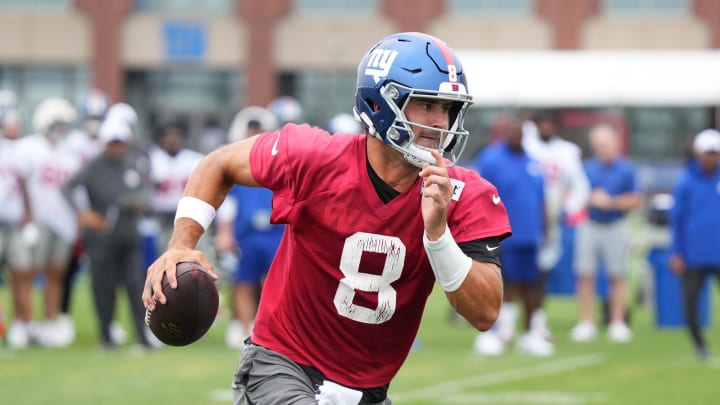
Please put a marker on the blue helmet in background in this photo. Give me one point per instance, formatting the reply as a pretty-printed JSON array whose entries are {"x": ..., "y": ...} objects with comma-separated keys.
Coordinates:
[
  {"x": 94, "y": 105},
  {"x": 411, "y": 65}
]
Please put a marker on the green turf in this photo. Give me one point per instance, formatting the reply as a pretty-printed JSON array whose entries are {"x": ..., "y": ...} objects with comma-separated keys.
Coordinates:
[{"x": 657, "y": 367}]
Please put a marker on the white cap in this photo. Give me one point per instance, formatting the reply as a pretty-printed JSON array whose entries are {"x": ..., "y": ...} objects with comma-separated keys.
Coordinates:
[
  {"x": 124, "y": 112},
  {"x": 115, "y": 131},
  {"x": 708, "y": 140}
]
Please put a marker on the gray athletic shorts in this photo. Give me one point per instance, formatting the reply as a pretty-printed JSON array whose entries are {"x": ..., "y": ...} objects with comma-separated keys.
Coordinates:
[
  {"x": 599, "y": 241},
  {"x": 51, "y": 249},
  {"x": 264, "y": 377},
  {"x": 13, "y": 250}
]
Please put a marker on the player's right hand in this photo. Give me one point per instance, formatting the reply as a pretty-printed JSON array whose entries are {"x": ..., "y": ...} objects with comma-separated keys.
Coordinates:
[{"x": 166, "y": 264}]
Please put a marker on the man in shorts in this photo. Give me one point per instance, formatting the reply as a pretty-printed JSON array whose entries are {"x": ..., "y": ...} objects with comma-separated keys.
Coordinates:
[{"x": 603, "y": 236}]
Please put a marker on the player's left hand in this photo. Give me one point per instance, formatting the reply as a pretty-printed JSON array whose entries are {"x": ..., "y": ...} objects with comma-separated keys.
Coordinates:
[{"x": 436, "y": 196}]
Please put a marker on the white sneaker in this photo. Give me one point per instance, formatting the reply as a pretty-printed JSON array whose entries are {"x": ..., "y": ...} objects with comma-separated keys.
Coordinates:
[
  {"x": 235, "y": 335},
  {"x": 584, "y": 331},
  {"x": 538, "y": 324},
  {"x": 534, "y": 344},
  {"x": 66, "y": 330},
  {"x": 618, "y": 332},
  {"x": 488, "y": 344},
  {"x": 506, "y": 321},
  {"x": 18, "y": 336},
  {"x": 50, "y": 333},
  {"x": 152, "y": 340},
  {"x": 117, "y": 334}
]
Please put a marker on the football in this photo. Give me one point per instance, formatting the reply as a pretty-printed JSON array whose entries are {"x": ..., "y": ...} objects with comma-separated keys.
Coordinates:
[{"x": 190, "y": 308}]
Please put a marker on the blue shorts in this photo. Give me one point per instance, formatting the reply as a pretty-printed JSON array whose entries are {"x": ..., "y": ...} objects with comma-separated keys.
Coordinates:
[
  {"x": 519, "y": 264},
  {"x": 258, "y": 250}
]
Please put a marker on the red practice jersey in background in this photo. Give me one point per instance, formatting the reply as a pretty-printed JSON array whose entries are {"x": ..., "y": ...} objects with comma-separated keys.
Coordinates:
[{"x": 350, "y": 280}]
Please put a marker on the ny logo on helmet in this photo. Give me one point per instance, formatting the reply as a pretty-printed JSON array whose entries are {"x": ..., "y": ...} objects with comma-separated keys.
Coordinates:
[{"x": 380, "y": 62}]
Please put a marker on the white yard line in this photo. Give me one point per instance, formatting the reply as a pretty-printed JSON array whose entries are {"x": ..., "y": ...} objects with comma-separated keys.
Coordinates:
[
  {"x": 527, "y": 397},
  {"x": 500, "y": 377}
]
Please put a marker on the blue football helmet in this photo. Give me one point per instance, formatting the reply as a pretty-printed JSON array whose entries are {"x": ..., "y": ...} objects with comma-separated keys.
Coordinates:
[
  {"x": 94, "y": 105},
  {"x": 403, "y": 66}
]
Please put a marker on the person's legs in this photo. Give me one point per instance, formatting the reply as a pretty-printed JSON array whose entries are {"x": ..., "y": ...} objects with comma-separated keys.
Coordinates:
[
  {"x": 525, "y": 277},
  {"x": 245, "y": 304},
  {"x": 130, "y": 271},
  {"x": 587, "y": 238},
  {"x": 692, "y": 281},
  {"x": 618, "y": 294},
  {"x": 53, "y": 254},
  {"x": 18, "y": 256},
  {"x": 548, "y": 256},
  {"x": 104, "y": 283},
  {"x": 614, "y": 252},
  {"x": 586, "y": 296}
]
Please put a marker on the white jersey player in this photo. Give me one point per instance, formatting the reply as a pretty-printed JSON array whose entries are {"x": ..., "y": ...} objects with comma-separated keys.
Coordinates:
[
  {"x": 85, "y": 141},
  {"x": 566, "y": 186},
  {"x": 566, "y": 192},
  {"x": 170, "y": 167},
  {"x": 46, "y": 164},
  {"x": 14, "y": 252}
]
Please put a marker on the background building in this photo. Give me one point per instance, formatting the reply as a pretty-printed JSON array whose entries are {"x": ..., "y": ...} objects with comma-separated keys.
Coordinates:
[{"x": 199, "y": 62}]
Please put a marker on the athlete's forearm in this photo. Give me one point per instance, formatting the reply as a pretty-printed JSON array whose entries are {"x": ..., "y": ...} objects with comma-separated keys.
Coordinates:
[
  {"x": 219, "y": 170},
  {"x": 479, "y": 297},
  {"x": 627, "y": 201}
]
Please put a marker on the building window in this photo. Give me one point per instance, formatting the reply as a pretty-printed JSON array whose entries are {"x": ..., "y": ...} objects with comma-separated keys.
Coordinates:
[
  {"x": 645, "y": 7},
  {"x": 493, "y": 7},
  {"x": 336, "y": 6},
  {"x": 33, "y": 84},
  {"x": 205, "y": 6},
  {"x": 38, "y": 5},
  {"x": 189, "y": 97},
  {"x": 322, "y": 94}
]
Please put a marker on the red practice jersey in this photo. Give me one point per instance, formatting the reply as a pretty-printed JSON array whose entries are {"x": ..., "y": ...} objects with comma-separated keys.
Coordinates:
[{"x": 348, "y": 286}]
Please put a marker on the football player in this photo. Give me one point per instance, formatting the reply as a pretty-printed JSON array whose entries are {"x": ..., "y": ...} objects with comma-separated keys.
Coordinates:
[
  {"x": 567, "y": 190},
  {"x": 86, "y": 144},
  {"x": 14, "y": 252},
  {"x": 52, "y": 232},
  {"x": 170, "y": 167},
  {"x": 373, "y": 221}
]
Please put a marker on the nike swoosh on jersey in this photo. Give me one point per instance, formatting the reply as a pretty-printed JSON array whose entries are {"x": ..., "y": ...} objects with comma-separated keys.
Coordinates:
[
  {"x": 490, "y": 249},
  {"x": 496, "y": 199},
  {"x": 275, "y": 148}
]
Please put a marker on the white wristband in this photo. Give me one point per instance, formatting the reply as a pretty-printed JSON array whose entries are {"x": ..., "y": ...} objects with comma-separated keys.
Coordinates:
[
  {"x": 448, "y": 262},
  {"x": 195, "y": 209}
]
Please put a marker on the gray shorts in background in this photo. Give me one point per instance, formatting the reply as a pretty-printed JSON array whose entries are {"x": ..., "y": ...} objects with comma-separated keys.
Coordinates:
[
  {"x": 13, "y": 250},
  {"x": 597, "y": 242},
  {"x": 51, "y": 249}
]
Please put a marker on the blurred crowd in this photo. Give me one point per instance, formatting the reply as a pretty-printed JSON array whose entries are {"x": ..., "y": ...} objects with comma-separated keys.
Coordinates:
[
  {"x": 84, "y": 192},
  {"x": 549, "y": 187}
]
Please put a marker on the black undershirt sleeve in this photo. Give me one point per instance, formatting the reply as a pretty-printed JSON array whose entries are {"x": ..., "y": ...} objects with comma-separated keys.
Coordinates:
[{"x": 483, "y": 250}]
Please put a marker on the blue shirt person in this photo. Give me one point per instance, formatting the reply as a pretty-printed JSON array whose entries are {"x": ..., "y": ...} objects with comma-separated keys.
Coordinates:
[
  {"x": 520, "y": 184},
  {"x": 695, "y": 228}
]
